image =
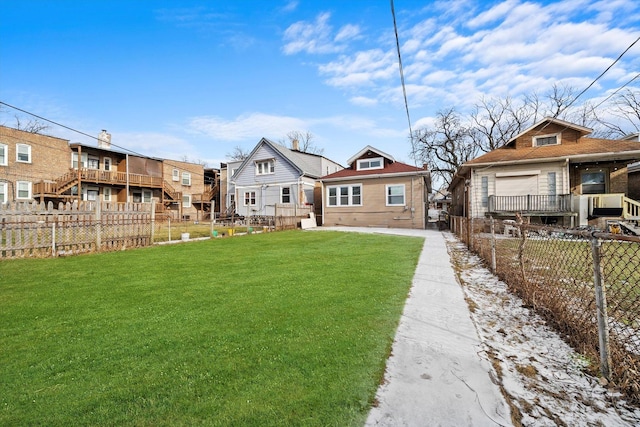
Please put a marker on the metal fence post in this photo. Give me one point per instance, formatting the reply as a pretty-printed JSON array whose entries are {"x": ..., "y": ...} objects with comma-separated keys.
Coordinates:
[
  {"x": 601, "y": 307},
  {"x": 98, "y": 222}
]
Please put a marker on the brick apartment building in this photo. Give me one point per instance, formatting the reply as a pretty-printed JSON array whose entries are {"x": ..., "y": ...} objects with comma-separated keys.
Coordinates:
[{"x": 35, "y": 167}]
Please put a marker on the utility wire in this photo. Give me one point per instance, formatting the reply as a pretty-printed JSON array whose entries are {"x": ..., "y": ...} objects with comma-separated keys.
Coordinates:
[
  {"x": 404, "y": 90},
  {"x": 602, "y": 74}
]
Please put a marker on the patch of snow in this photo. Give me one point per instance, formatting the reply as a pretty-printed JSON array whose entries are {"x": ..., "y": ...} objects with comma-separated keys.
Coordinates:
[{"x": 541, "y": 376}]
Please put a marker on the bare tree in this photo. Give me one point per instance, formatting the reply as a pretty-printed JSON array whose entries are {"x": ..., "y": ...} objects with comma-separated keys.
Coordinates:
[
  {"x": 31, "y": 126},
  {"x": 624, "y": 110},
  {"x": 238, "y": 153},
  {"x": 195, "y": 161},
  {"x": 496, "y": 121},
  {"x": 304, "y": 141},
  {"x": 445, "y": 146}
]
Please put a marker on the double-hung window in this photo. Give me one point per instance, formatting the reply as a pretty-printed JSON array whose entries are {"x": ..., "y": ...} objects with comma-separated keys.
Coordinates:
[
  {"x": 23, "y": 190},
  {"x": 175, "y": 176},
  {"x": 395, "y": 195},
  {"x": 265, "y": 167},
  {"x": 93, "y": 162},
  {"x": 84, "y": 158},
  {"x": 345, "y": 195},
  {"x": 250, "y": 198},
  {"x": 23, "y": 153},
  {"x": 186, "y": 200},
  {"x": 484, "y": 189},
  {"x": 3, "y": 154},
  {"x": 186, "y": 178},
  {"x": 3, "y": 193},
  {"x": 285, "y": 195},
  {"x": 106, "y": 194}
]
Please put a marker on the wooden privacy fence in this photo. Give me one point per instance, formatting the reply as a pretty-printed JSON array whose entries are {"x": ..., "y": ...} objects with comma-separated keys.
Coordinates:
[{"x": 40, "y": 230}]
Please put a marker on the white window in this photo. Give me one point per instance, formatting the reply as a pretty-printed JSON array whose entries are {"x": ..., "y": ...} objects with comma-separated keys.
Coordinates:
[
  {"x": 92, "y": 194},
  {"x": 250, "y": 198},
  {"x": 3, "y": 192},
  {"x": 551, "y": 180},
  {"x": 265, "y": 167},
  {"x": 74, "y": 160},
  {"x": 186, "y": 201},
  {"x": 106, "y": 194},
  {"x": 176, "y": 175},
  {"x": 4, "y": 150},
  {"x": 23, "y": 153},
  {"x": 285, "y": 195},
  {"x": 539, "y": 141},
  {"x": 395, "y": 195},
  {"x": 93, "y": 162},
  {"x": 186, "y": 178},
  {"x": 484, "y": 189},
  {"x": 374, "y": 163},
  {"x": 146, "y": 197},
  {"x": 346, "y": 195},
  {"x": 23, "y": 190},
  {"x": 107, "y": 163}
]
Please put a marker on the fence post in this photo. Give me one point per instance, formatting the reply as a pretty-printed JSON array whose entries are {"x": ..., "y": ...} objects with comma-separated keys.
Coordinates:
[
  {"x": 601, "y": 307},
  {"x": 493, "y": 246},
  {"x": 153, "y": 220},
  {"x": 53, "y": 238},
  {"x": 169, "y": 228},
  {"x": 98, "y": 220}
]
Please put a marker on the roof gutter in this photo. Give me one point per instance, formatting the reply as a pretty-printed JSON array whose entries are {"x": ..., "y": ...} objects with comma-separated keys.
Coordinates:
[
  {"x": 376, "y": 176},
  {"x": 598, "y": 156}
]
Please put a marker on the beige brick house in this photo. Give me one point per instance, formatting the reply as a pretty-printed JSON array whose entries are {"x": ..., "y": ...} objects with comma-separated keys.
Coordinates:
[{"x": 376, "y": 191}]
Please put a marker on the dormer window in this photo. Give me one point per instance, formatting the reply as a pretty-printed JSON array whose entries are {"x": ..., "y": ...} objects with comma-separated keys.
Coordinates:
[
  {"x": 265, "y": 167},
  {"x": 374, "y": 163},
  {"x": 539, "y": 141}
]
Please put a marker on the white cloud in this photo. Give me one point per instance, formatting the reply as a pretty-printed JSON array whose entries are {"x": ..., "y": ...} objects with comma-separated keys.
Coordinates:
[
  {"x": 361, "y": 69},
  {"x": 248, "y": 126},
  {"x": 291, "y": 6},
  {"x": 363, "y": 101},
  {"x": 348, "y": 32},
  {"x": 312, "y": 37}
]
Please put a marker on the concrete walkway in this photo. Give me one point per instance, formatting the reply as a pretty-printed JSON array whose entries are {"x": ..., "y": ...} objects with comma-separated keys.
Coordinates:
[{"x": 436, "y": 375}]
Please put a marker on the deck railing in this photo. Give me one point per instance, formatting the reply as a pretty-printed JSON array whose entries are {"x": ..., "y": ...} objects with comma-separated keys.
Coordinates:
[{"x": 530, "y": 203}]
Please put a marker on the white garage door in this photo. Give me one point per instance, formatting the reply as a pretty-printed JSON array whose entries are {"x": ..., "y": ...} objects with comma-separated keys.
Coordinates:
[{"x": 517, "y": 185}]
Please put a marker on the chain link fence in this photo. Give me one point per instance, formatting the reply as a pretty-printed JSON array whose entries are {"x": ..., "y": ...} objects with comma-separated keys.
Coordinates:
[{"x": 584, "y": 283}]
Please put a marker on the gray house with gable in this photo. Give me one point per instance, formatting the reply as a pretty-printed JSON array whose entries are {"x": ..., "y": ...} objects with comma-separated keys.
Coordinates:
[{"x": 275, "y": 176}]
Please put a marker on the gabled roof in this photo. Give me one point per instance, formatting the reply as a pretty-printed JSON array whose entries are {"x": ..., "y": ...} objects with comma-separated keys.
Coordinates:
[
  {"x": 370, "y": 148},
  {"x": 549, "y": 120},
  {"x": 396, "y": 168},
  {"x": 306, "y": 163}
]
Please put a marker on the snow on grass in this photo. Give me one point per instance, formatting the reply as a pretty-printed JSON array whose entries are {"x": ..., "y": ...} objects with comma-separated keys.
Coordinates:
[{"x": 542, "y": 377}]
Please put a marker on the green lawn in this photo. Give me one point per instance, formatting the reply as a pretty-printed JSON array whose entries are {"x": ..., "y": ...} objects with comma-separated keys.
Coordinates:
[{"x": 289, "y": 328}]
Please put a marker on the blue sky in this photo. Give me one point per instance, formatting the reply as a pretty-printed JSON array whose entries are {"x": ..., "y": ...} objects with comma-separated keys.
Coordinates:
[{"x": 197, "y": 78}]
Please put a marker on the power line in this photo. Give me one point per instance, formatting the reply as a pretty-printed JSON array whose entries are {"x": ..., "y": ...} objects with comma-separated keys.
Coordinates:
[
  {"x": 404, "y": 90},
  {"x": 602, "y": 74}
]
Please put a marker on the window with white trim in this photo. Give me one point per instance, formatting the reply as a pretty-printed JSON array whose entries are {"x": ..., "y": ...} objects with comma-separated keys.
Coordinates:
[
  {"x": 186, "y": 178},
  {"x": 4, "y": 151},
  {"x": 250, "y": 198},
  {"x": 107, "y": 163},
  {"x": 484, "y": 191},
  {"x": 23, "y": 153},
  {"x": 395, "y": 195},
  {"x": 106, "y": 194},
  {"x": 92, "y": 194},
  {"x": 186, "y": 200},
  {"x": 373, "y": 163},
  {"x": 74, "y": 160},
  {"x": 345, "y": 195},
  {"x": 539, "y": 141},
  {"x": 23, "y": 190},
  {"x": 175, "y": 175},
  {"x": 265, "y": 167},
  {"x": 285, "y": 195},
  {"x": 3, "y": 192}
]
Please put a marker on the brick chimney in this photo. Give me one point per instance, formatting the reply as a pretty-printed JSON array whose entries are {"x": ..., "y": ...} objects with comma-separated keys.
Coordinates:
[
  {"x": 104, "y": 140},
  {"x": 295, "y": 144}
]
